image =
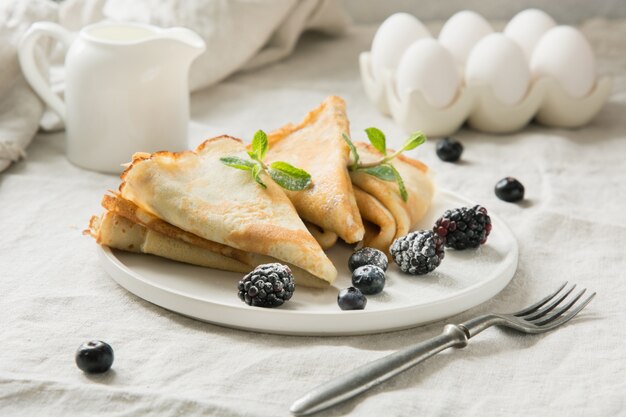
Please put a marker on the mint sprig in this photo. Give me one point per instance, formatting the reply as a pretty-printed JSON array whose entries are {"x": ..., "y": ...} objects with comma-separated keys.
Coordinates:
[
  {"x": 256, "y": 174},
  {"x": 260, "y": 145},
  {"x": 283, "y": 174},
  {"x": 239, "y": 163},
  {"x": 355, "y": 154},
  {"x": 377, "y": 139},
  {"x": 288, "y": 176},
  {"x": 382, "y": 169},
  {"x": 384, "y": 172}
]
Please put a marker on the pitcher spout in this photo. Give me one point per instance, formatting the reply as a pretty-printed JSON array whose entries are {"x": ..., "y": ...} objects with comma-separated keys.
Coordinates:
[{"x": 188, "y": 41}]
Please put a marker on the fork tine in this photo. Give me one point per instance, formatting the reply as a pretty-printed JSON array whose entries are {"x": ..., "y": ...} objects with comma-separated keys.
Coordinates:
[
  {"x": 553, "y": 304},
  {"x": 569, "y": 316},
  {"x": 535, "y": 306},
  {"x": 558, "y": 312}
]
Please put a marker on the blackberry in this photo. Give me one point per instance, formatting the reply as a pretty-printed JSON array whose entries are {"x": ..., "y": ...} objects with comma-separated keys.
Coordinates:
[
  {"x": 509, "y": 189},
  {"x": 268, "y": 285},
  {"x": 449, "y": 150},
  {"x": 368, "y": 256},
  {"x": 465, "y": 227},
  {"x": 418, "y": 253}
]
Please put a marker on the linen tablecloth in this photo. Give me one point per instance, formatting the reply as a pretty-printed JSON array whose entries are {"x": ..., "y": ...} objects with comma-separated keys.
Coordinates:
[{"x": 54, "y": 294}]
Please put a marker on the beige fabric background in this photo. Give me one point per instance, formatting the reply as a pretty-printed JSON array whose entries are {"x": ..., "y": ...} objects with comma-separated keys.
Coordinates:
[{"x": 54, "y": 294}]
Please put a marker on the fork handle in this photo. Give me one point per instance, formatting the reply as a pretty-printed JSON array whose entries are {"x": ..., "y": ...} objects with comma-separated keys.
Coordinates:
[{"x": 367, "y": 376}]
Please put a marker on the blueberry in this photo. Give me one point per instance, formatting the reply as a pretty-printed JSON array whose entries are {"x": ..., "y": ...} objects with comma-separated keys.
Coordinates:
[
  {"x": 370, "y": 279},
  {"x": 509, "y": 189},
  {"x": 94, "y": 357},
  {"x": 351, "y": 299},
  {"x": 368, "y": 256},
  {"x": 449, "y": 150}
]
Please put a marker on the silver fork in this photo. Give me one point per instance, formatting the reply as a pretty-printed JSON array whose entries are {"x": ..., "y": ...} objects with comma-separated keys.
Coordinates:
[{"x": 540, "y": 317}]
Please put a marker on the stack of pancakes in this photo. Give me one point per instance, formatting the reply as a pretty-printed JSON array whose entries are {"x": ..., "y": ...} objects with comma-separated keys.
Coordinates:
[{"x": 190, "y": 207}]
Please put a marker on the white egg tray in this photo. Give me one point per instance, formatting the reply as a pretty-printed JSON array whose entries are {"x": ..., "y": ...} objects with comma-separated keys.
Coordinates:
[{"x": 545, "y": 101}]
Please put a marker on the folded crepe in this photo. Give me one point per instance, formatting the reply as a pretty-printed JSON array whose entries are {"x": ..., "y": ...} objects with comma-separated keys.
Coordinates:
[
  {"x": 130, "y": 212},
  {"x": 117, "y": 205},
  {"x": 380, "y": 226},
  {"x": 119, "y": 232},
  {"x": 390, "y": 217},
  {"x": 325, "y": 238},
  {"x": 197, "y": 194},
  {"x": 115, "y": 230},
  {"x": 316, "y": 146}
]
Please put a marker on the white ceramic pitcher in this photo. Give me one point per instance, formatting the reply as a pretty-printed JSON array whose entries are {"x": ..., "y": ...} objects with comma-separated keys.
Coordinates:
[{"x": 126, "y": 89}]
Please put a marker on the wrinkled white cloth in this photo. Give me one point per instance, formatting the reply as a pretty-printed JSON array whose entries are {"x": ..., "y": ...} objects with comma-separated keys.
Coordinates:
[
  {"x": 20, "y": 108},
  {"x": 239, "y": 34},
  {"x": 54, "y": 293}
]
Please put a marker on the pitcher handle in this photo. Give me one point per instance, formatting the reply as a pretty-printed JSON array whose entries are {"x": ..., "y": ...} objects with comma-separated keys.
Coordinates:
[{"x": 31, "y": 72}]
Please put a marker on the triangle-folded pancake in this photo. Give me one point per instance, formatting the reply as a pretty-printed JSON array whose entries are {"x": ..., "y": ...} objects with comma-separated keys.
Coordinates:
[
  {"x": 197, "y": 193},
  {"x": 119, "y": 232},
  {"x": 418, "y": 183},
  {"x": 316, "y": 146},
  {"x": 380, "y": 226},
  {"x": 129, "y": 210},
  {"x": 325, "y": 238},
  {"x": 116, "y": 204}
]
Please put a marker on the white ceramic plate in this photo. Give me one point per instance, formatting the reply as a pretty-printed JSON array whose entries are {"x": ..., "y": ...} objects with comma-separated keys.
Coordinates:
[{"x": 464, "y": 280}]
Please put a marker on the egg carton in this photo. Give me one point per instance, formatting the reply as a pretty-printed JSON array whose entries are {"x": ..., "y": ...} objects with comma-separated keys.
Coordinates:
[{"x": 545, "y": 101}]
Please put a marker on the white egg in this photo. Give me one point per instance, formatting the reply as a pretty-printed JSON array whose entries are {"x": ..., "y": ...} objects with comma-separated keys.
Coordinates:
[
  {"x": 392, "y": 38},
  {"x": 428, "y": 67},
  {"x": 527, "y": 27},
  {"x": 461, "y": 32},
  {"x": 565, "y": 54},
  {"x": 499, "y": 62}
]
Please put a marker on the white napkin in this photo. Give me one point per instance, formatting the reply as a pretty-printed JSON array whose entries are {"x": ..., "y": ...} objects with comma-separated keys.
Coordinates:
[{"x": 239, "y": 34}]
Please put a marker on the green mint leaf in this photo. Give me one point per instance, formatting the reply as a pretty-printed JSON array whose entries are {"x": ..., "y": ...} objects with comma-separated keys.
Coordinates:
[
  {"x": 256, "y": 171},
  {"x": 260, "y": 145},
  {"x": 239, "y": 163},
  {"x": 253, "y": 155},
  {"x": 289, "y": 177},
  {"x": 355, "y": 154},
  {"x": 415, "y": 140},
  {"x": 377, "y": 139},
  {"x": 401, "y": 187},
  {"x": 383, "y": 172}
]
